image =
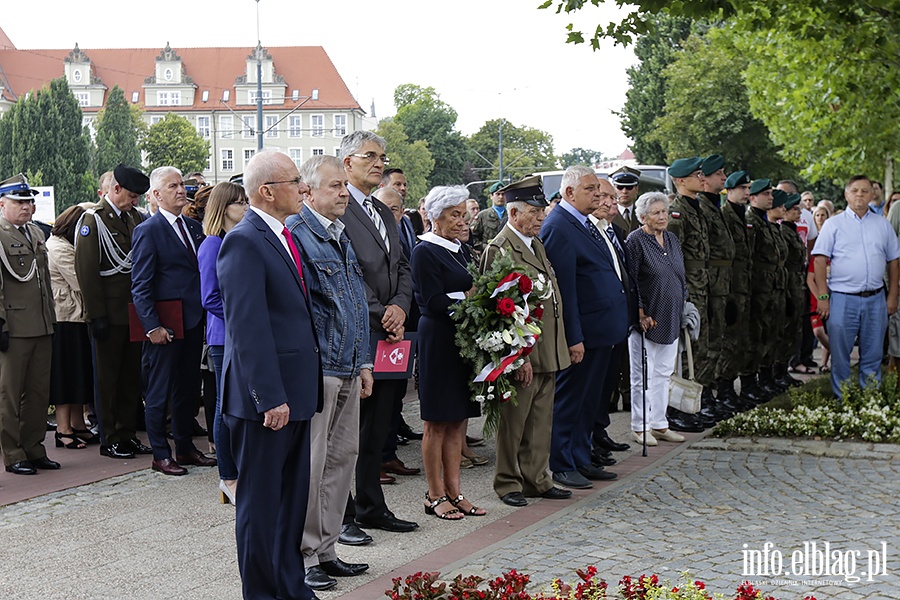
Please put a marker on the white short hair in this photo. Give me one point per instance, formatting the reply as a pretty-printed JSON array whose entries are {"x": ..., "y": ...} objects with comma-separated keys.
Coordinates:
[
  {"x": 260, "y": 169},
  {"x": 442, "y": 197},
  {"x": 642, "y": 205},
  {"x": 572, "y": 175},
  {"x": 160, "y": 173}
]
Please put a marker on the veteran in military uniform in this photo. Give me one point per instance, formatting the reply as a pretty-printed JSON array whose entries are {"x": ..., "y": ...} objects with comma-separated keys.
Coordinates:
[
  {"x": 489, "y": 221},
  {"x": 103, "y": 267},
  {"x": 687, "y": 222},
  {"x": 719, "y": 310},
  {"x": 27, "y": 316},
  {"x": 523, "y": 436}
]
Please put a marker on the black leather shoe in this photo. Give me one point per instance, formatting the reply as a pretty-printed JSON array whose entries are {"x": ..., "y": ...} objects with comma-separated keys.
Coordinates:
[
  {"x": 21, "y": 468},
  {"x": 45, "y": 463},
  {"x": 556, "y": 493},
  {"x": 607, "y": 443},
  {"x": 572, "y": 479},
  {"x": 317, "y": 579},
  {"x": 596, "y": 473},
  {"x": 679, "y": 421},
  {"x": 352, "y": 535},
  {"x": 339, "y": 568},
  {"x": 514, "y": 499},
  {"x": 138, "y": 448},
  {"x": 388, "y": 522},
  {"x": 407, "y": 432},
  {"x": 197, "y": 429},
  {"x": 401, "y": 440},
  {"x": 119, "y": 450},
  {"x": 602, "y": 461}
]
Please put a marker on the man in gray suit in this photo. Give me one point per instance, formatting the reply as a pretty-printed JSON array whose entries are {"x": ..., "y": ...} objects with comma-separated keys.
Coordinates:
[{"x": 370, "y": 227}]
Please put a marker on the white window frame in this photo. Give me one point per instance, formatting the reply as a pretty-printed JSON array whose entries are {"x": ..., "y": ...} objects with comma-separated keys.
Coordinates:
[
  {"x": 339, "y": 131},
  {"x": 226, "y": 127},
  {"x": 248, "y": 154},
  {"x": 317, "y": 151},
  {"x": 154, "y": 119},
  {"x": 84, "y": 98},
  {"x": 298, "y": 159},
  {"x": 271, "y": 126},
  {"x": 316, "y": 131},
  {"x": 229, "y": 158},
  {"x": 203, "y": 126},
  {"x": 295, "y": 126},
  {"x": 248, "y": 127},
  {"x": 266, "y": 95}
]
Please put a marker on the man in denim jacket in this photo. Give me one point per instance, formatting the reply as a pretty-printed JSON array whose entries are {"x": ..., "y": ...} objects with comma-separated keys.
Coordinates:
[{"x": 334, "y": 282}]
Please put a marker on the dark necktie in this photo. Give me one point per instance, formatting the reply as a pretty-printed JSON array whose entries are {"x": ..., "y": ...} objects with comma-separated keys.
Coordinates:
[
  {"x": 296, "y": 256},
  {"x": 595, "y": 233},
  {"x": 186, "y": 239},
  {"x": 627, "y": 216},
  {"x": 611, "y": 234},
  {"x": 24, "y": 231}
]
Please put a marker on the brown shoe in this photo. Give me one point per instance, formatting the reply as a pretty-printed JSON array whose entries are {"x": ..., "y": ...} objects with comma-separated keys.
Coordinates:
[
  {"x": 195, "y": 457},
  {"x": 167, "y": 466},
  {"x": 397, "y": 467},
  {"x": 387, "y": 479}
]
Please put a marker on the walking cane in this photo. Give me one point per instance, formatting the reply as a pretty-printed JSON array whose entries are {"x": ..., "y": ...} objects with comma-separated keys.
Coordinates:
[{"x": 644, "y": 393}]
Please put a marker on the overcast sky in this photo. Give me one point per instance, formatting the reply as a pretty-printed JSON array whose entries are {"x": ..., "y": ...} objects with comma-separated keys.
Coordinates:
[{"x": 486, "y": 58}]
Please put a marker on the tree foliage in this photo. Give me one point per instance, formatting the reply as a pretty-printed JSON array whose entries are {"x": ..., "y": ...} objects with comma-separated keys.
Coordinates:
[
  {"x": 173, "y": 141},
  {"x": 579, "y": 156},
  {"x": 414, "y": 158},
  {"x": 43, "y": 134},
  {"x": 525, "y": 150},
  {"x": 424, "y": 116},
  {"x": 119, "y": 131}
]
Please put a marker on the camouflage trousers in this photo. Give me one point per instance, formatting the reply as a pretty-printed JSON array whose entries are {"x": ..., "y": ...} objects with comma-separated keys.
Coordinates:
[{"x": 737, "y": 352}]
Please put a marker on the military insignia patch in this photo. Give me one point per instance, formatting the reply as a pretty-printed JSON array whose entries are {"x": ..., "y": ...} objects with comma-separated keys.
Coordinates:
[
  {"x": 749, "y": 225},
  {"x": 84, "y": 231},
  {"x": 676, "y": 215}
]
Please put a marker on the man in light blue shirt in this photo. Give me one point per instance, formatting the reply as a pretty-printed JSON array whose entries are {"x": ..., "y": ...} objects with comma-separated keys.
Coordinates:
[{"x": 859, "y": 244}]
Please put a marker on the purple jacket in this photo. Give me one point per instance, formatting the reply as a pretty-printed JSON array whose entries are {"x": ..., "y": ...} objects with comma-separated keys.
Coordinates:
[{"x": 210, "y": 295}]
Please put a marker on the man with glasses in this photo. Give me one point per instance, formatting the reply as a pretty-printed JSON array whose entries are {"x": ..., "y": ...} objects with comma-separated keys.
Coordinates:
[
  {"x": 372, "y": 231},
  {"x": 26, "y": 332}
]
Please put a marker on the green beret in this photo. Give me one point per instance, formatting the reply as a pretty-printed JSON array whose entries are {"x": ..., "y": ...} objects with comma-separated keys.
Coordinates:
[
  {"x": 737, "y": 178},
  {"x": 760, "y": 185},
  {"x": 556, "y": 196},
  {"x": 779, "y": 197},
  {"x": 496, "y": 187},
  {"x": 712, "y": 163},
  {"x": 683, "y": 167},
  {"x": 792, "y": 201}
]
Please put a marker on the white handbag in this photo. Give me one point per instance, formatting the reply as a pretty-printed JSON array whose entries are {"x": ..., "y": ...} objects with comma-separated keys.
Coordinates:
[{"x": 684, "y": 394}]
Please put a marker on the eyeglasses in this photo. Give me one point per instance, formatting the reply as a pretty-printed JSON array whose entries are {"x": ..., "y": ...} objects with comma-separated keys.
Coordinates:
[
  {"x": 296, "y": 181},
  {"x": 372, "y": 157},
  {"x": 239, "y": 202}
]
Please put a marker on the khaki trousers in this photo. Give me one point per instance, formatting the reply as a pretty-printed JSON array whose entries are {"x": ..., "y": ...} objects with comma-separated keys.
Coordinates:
[{"x": 24, "y": 398}]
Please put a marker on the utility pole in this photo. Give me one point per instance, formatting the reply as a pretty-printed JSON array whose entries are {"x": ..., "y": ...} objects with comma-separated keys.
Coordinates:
[
  {"x": 259, "y": 95},
  {"x": 501, "y": 146}
]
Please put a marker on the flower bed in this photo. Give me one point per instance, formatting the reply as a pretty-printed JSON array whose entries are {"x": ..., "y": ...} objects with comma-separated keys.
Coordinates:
[{"x": 512, "y": 586}]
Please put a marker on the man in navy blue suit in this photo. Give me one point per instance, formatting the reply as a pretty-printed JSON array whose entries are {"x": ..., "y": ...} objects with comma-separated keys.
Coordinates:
[
  {"x": 595, "y": 315},
  {"x": 272, "y": 379},
  {"x": 164, "y": 259}
]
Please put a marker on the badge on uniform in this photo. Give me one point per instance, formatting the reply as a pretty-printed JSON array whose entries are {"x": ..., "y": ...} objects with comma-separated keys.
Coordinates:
[
  {"x": 749, "y": 225},
  {"x": 676, "y": 215},
  {"x": 85, "y": 230}
]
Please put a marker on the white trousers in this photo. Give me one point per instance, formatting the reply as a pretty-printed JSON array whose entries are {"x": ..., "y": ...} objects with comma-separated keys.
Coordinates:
[{"x": 660, "y": 366}]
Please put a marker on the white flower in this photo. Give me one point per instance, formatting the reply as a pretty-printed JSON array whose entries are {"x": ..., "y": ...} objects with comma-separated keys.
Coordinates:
[
  {"x": 490, "y": 388},
  {"x": 490, "y": 396},
  {"x": 479, "y": 398},
  {"x": 506, "y": 395}
]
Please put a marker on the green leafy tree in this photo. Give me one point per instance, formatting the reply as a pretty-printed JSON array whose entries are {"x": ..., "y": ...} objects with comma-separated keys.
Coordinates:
[
  {"x": 119, "y": 130},
  {"x": 579, "y": 156},
  {"x": 42, "y": 134},
  {"x": 424, "y": 116},
  {"x": 174, "y": 142},
  {"x": 525, "y": 150},
  {"x": 414, "y": 158}
]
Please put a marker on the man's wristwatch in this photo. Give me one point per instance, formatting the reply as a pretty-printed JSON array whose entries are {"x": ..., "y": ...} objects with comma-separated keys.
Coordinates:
[{"x": 824, "y": 296}]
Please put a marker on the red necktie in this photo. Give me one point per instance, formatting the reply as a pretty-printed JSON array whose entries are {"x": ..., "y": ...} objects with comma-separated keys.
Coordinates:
[{"x": 296, "y": 254}]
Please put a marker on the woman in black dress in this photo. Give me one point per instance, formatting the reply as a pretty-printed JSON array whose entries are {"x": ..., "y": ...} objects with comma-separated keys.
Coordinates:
[{"x": 440, "y": 279}]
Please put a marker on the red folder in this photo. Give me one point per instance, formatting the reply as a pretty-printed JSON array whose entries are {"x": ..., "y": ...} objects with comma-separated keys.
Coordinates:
[
  {"x": 393, "y": 361},
  {"x": 170, "y": 317}
]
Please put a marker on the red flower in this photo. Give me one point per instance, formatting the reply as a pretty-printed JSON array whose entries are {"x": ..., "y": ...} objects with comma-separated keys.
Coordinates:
[
  {"x": 506, "y": 307},
  {"x": 538, "y": 311},
  {"x": 525, "y": 285}
]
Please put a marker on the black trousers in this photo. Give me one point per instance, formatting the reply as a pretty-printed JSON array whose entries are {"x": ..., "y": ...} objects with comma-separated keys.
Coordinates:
[{"x": 375, "y": 414}]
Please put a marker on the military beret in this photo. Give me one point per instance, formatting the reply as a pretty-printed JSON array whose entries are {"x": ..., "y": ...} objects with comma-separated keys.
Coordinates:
[
  {"x": 712, "y": 163},
  {"x": 131, "y": 179},
  {"x": 737, "y": 178},
  {"x": 17, "y": 188},
  {"x": 191, "y": 185},
  {"x": 760, "y": 185},
  {"x": 527, "y": 190},
  {"x": 792, "y": 201},
  {"x": 683, "y": 167},
  {"x": 556, "y": 196},
  {"x": 496, "y": 187},
  {"x": 779, "y": 197},
  {"x": 625, "y": 176}
]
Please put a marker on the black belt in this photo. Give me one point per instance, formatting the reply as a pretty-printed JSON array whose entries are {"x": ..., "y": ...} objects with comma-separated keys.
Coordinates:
[
  {"x": 696, "y": 264},
  {"x": 720, "y": 263},
  {"x": 866, "y": 294}
]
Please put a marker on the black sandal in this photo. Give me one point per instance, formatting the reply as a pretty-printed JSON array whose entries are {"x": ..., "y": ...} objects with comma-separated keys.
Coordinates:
[
  {"x": 87, "y": 436},
  {"x": 75, "y": 444},
  {"x": 472, "y": 512},
  {"x": 433, "y": 504}
]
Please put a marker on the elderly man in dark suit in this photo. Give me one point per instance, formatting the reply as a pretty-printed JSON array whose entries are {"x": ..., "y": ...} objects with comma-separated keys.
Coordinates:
[
  {"x": 271, "y": 379},
  {"x": 103, "y": 267},
  {"x": 595, "y": 317},
  {"x": 164, "y": 257},
  {"x": 523, "y": 437},
  {"x": 370, "y": 227}
]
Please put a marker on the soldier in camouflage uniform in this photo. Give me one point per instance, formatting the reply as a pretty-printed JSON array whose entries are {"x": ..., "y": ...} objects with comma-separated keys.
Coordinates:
[
  {"x": 489, "y": 221},
  {"x": 686, "y": 221},
  {"x": 778, "y": 320},
  {"x": 795, "y": 284},
  {"x": 719, "y": 311}
]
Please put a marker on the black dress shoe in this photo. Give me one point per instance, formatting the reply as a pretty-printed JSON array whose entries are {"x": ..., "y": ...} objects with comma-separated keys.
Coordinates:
[
  {"x": 596, "y": 473},
  {"x": 607, "y": 443},
  {"x": 197, "y": 429},
  {"x": 407, "y": 432},
  {"x": 514, "y": 499},
  {"x": 119, "y": 450},
  {"x": 679, "y": 421},
  {"x": 401, "y": 440},
  {"x": 556, "y": 493},
  {"x": 138, "y": 448},
  {"x": 317, "y": 579},
  {"x": 339, "y": 568},
  {"x": 602, "y": 461},
  {"x": 21, "y": 468},
  {"x": 598, "y": 451},
  {"x": 45, "y": 463},
  {"x": 352, "y": 535},
  {"x": 388, "y": 522}
]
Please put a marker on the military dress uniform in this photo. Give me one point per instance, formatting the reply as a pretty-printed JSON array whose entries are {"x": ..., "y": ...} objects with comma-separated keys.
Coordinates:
[
  {"x": 103, "y": 267},
  {"x": 27, "y": 316}
]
